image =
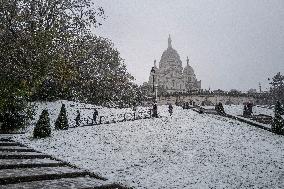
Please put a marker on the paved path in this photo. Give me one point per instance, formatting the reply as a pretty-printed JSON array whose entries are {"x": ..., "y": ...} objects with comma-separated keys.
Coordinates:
[{"x": 25, "y": 168}]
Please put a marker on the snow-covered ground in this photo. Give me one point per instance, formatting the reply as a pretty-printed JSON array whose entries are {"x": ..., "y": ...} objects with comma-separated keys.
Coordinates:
[
  {"x": 238, "y": 110},
  {"x": 187, "y": 150}
]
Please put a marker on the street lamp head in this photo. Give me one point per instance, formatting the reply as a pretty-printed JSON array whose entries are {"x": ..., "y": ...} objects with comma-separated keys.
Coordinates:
[{"x": 153, "y": 70}]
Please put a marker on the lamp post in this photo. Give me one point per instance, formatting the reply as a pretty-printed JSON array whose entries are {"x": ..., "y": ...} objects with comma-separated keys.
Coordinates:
[
  {"x": 155, "y": 108},
  {"x": 156, "y": 92},
  {"x": 153, "y": 73},
  {"x": 155, "y": 86}
]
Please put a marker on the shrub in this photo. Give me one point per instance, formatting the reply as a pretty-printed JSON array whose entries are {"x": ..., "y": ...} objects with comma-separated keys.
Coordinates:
[
  {"x": 278, "y": 122},
  {"x": 15, "y": 112},
  {"x": 42, "y": 128},
  {"x": 278, "y": 110},
  {"x": 278, "y": 125},
  {"x": 62, "y": 121},
  {"x": 220, "y": 109}
]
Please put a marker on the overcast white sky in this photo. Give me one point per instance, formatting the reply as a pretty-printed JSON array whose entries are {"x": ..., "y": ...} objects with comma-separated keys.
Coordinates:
[{"x": 230, "y": 43}]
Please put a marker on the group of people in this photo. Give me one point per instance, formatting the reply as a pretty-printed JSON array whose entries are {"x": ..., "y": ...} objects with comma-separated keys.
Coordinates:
[
  {"x": 95, "y": 114},
  {"x": 247, "y": 109},
  {"x": 220, "y": 109},
  {"x": 185, "y": 105},
  {"x": 94, "y": 120},
  {"x": 155, "y": 110}
]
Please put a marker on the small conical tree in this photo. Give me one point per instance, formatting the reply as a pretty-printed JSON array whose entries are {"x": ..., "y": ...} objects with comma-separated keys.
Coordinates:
[
  {"x": 278, "y": 109},
  {"x": 62, "y": 121},
  {"x": 278, "y": 121},
  {"x": 78, "y": 119},
  {"x": 42, "y": 128}
]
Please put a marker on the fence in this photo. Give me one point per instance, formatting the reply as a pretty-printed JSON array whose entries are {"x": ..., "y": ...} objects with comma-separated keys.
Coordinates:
[{"x": 107, "y": 119}]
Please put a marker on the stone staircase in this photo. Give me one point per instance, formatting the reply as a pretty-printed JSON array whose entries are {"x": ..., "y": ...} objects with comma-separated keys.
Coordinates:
[{"x": 25, "y": 168}]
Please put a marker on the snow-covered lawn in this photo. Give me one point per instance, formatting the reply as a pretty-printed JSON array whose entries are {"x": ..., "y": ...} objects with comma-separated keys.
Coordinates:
[
  {"x": 238, "y": 110},
  {"x": 187, "y": 150}
]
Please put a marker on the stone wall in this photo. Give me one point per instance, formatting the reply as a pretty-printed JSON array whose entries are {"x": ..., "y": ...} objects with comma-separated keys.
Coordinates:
[{"x": 206, "y": 99}]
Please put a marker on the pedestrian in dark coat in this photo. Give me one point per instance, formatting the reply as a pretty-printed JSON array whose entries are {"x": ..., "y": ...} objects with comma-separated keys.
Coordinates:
[
  {"x": 78, "y": 119},
  {"x": 170, "y": 109},
  {"x": 249, "y": 108},
  {"x": 95, "y": 114},
  {"x": 155, "y": 110},
  {"x": 186, "y": 105}
]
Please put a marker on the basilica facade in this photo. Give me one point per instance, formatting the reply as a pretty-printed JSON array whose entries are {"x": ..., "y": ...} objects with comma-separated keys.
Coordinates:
[{"x": 171, "y": 76}]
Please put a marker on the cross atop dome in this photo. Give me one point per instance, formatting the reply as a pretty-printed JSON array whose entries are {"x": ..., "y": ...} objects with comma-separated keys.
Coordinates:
[
  {"x": 169, "y": 42},
  {"x": 187, "y": 61}
]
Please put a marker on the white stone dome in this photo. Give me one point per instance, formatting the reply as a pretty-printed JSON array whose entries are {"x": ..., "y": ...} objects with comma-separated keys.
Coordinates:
[
  {"x": 170, "y": 59},
  {"x": 188, "y": 70}
]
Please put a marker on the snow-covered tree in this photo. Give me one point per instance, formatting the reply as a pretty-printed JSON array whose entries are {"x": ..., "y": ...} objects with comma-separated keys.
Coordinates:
[
  {"x": 42, "y": 128},
  {"x": 102, "y": 75},
  {"x": 278, "y": 121},
  {"x": 14, "y": 112},
  {"x": 277, "y": 87},
  {"x": 78, "y": 119},
  {"x": 38, "y": 38},
  {"x": 48, "y": 51},
  {"x": 38, "y": 43},
  {"x": 61, "y": 122}
]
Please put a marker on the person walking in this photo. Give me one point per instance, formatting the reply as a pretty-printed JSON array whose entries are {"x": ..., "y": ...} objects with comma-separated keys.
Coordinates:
[
  {"x": 155, "y": 110},
  {"x": 170, "y": 109},
  {"x": 95, "y": 114},
  {"x": 187, "y": 105},
  {"x": 78, "y": 119}
]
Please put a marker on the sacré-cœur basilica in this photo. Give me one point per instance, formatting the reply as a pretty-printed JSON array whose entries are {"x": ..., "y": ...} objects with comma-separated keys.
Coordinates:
[{"x": 171, "y": 76}]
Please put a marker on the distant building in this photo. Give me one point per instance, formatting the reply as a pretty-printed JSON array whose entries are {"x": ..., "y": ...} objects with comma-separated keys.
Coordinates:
[
  {"x": 234, "y": 92},
  {"x": 219, "y": 91},
  {"x": 252, "y": 91},
  {"x": 171, "y": 76}
]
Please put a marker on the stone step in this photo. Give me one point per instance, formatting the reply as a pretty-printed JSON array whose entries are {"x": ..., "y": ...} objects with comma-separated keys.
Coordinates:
[
  {"x": 28, "y": 163},
  {"x": 13, "y": 176},
  {"x": 8, "y": 143},
  {"x": 16, "y": 149},
  {"x": 64, "y": 183},
  {"x": 22, "y": 155},
  {"x": 4, "y": 138}
]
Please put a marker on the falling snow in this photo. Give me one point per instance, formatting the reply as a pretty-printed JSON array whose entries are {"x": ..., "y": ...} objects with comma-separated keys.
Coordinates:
[{"x": 187, "y": 150}]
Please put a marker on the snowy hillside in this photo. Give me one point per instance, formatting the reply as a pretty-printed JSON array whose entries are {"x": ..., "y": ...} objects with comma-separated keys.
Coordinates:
[
  {"x": 86, "y": 111},
  {"x": 187, "y": 150}
]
